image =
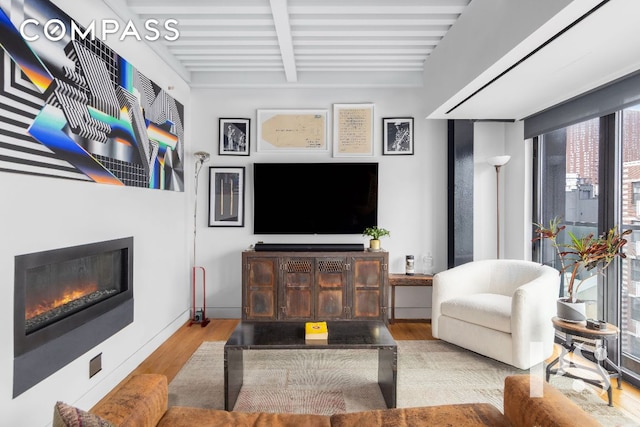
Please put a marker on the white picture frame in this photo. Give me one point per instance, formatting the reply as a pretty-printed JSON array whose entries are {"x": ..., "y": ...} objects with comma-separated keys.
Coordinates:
[
  {"x": 297, "y": 130},
  {"x": 353, "y": 130}
]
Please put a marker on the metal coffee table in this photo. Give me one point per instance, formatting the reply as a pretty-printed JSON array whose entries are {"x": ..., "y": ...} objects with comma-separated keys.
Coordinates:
[{"x": 352, "y": 335}]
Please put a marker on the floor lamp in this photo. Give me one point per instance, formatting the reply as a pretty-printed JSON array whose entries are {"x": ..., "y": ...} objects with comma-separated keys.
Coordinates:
[
  {"x": 198, "y": 316},
  {"x": 497, "y": 162}
]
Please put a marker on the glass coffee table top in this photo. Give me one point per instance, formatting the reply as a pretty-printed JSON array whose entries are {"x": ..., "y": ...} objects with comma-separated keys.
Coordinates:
[{"x": 342, "y": 334}]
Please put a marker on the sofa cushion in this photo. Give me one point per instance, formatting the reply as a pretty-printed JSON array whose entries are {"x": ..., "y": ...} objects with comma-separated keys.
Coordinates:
[
  {"x": 489, "y": 310},
  {"x": 178, "y": 416},
  {"x": 140, "y": 402},
  {"x": 476, "y": 414},
  {"x": 68, "y": 416},
  {"x": 548, "y": 406}
]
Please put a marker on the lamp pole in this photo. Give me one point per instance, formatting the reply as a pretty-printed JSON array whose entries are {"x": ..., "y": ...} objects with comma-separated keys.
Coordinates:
[
  {"x": 497, "y": 211},
  {"x": 498, "y": 162},
  {"x": 201, "y": 157}
]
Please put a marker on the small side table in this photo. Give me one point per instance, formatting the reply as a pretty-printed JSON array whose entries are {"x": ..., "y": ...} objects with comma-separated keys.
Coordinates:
[
  {"x": 406, "y": 280},
  {"x": 603, "y": 366}
]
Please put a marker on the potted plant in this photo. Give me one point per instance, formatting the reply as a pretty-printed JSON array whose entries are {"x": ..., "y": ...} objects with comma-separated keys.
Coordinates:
[
  {"x": 578, "y": 257},
  {"x": 375, "y": 233}
]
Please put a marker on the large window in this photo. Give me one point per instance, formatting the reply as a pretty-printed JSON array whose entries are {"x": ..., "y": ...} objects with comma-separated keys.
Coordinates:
[
  {"x": 630, "y": 213},
  {"x": 569, "y": 189},
  {"x": 589, "y": 175}
]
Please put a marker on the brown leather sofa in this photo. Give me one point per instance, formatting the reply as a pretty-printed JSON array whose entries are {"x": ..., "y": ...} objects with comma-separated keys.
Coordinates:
[{"x": 142, "y": 402}]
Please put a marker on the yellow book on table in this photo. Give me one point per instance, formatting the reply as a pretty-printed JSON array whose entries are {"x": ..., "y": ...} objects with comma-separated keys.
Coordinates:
[{"x": 316, "y": 331}]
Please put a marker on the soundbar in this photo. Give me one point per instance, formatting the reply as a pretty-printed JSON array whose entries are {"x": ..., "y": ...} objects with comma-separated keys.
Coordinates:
[{"x": 309, "y": 247}]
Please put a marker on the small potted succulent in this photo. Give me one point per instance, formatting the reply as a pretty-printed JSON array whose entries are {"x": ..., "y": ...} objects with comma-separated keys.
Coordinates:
[
  {"x": 375, "y": 233},
  {"x": 582, "y": 254}
]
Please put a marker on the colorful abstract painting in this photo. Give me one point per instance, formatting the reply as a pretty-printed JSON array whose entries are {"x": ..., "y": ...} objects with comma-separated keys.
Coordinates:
[{"x": 73, "y": 108}]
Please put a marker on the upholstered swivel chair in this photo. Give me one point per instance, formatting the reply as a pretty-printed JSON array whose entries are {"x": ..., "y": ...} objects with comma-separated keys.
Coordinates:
[{"x": 498, "y": 308}]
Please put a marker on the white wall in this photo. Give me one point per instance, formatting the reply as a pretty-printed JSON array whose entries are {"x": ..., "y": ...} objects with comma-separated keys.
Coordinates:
[
  {"x": 518, "y": 191},
  {"x": 412, "y": 189},
  {"x": 496, "y": 139},
  {"x": 39, "y": 213}
]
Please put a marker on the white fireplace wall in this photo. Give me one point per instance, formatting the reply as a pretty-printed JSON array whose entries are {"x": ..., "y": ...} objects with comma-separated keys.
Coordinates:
[{"x": 39, "y": 213}]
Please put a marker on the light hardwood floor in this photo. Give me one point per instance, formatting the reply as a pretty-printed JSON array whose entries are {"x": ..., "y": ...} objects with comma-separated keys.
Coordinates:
[{"x": 173, "y": 353}]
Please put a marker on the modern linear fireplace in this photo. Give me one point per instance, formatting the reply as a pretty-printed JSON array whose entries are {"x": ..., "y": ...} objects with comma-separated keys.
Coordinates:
[{"x": 67, "y": 301}]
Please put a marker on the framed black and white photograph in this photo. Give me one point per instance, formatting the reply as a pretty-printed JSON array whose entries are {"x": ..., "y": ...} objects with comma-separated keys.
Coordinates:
[
  {"x": 397, "y": 136},
  {"x": 234, "y": 137},
  {"x": 226, "y": 196}
]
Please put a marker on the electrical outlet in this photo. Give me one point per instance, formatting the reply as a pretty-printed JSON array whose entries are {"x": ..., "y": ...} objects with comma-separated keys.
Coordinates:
[{"x": 95, "y": 365}]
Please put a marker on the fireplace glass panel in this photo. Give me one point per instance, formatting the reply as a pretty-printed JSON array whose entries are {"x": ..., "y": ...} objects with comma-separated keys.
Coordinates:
[{"x": 58, "y": 290}]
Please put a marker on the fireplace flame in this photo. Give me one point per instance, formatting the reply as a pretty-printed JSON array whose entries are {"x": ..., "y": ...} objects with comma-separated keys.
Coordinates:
[{"x": 71, "y": 293}]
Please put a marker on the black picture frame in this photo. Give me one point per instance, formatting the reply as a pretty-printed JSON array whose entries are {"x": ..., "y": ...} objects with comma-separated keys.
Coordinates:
[
  {"x": 234, "y": 137},
  {"x": 226, "y": 196},
  {"x": 397, "y": 136}
]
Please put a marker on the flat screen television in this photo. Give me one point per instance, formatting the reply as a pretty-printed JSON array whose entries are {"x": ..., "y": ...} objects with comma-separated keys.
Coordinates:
[{"x": 314, "y": 198}]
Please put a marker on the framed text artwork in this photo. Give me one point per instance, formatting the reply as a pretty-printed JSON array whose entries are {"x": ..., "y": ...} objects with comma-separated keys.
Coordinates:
[
  {"x": 352, "y": 130},
  {"x": 226, "y": 196},
  {"x": 397, "y": 136},
  {"x": 234, "y": 137},
  {"x": 292, "y": 130}
]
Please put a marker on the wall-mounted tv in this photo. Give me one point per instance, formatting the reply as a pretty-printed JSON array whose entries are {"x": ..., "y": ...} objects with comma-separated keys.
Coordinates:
[{"x": 314, "y": 198}]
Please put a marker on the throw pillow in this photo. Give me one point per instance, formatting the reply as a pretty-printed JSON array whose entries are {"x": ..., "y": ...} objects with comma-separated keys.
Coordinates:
[{"x": 67, "y": 416}]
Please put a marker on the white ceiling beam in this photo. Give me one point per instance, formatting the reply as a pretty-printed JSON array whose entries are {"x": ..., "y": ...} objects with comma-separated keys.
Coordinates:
[
  {"x": 335, "y": 21},
  {"x": 226, "y": 50},
  {"x": 215, "y": 22},
  {"x": 361, "y": 50},
  {"x": 244, "y": 70},
  {"x": 227, "y": 57},
  {"x": 348, "y": 42},
  {"x": 227, "y": 34},
  {"x": 374, "y": 10},
  {"x": 375, "y": 33},
  {"x": 283, "y": 29},
  {"x": 300, "y": 59},
  {"x": 232, "y": 42},
  {"x": 360, "y": 69},
  {"x": 178, "y": 9},
  {"x": 379, "y": 62},
  {"x": 248, "y": 65},
  {"x": 363, "y": 57}
]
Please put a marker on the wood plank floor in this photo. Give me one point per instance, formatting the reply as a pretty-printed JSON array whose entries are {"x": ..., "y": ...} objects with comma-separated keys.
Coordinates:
[{"x": 173, "y": 353}]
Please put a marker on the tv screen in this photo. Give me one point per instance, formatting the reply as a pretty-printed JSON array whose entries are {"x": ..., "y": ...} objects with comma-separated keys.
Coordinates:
[{"x": 314, "y": 198}]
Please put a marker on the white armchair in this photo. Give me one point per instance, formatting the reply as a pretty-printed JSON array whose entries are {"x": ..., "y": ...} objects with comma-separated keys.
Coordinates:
[{"x": 498, "y": 308}]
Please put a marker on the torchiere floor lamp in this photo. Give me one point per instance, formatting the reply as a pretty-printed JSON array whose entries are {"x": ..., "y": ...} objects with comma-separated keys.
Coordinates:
[
  {"x": 198, "y": 316},
  {"x": 498, "y": 162}
]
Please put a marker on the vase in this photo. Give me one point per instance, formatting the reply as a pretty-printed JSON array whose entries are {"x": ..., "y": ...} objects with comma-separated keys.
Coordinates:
[
  {"x": 571, "y": 311},
  {"x": 374, "y": 244}
]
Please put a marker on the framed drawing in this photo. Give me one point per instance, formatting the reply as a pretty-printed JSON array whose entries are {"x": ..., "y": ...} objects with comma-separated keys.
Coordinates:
[
  {"x": 226, "y": 196},
  {"x": 352, "y": 130},
  {"x": 234, "y": 137},
  {"x": 292, "y": 130},
  {"x": 397, "y": 136}
]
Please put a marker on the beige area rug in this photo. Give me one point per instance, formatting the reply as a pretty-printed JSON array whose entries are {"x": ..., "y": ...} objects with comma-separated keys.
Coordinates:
[{"x": 333, "y": 381}]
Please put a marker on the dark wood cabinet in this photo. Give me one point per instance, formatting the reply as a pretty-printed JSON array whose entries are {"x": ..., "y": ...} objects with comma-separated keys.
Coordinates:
[
  {"x": 259, "y": 294},
  {"x": 314, "y": 285}
]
